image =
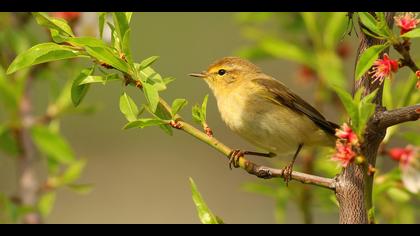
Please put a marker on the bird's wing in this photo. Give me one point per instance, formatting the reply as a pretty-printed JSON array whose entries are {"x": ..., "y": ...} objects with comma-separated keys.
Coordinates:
[{"x": 279, "y": 93}]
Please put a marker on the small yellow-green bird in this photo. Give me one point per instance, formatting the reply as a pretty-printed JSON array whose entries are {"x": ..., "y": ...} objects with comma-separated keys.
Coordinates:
[{"x": 264, "y": 111}]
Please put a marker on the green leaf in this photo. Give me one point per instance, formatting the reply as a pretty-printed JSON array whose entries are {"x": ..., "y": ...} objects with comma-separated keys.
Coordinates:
[
  {"x": 73, "y": 172},
  {"x": 163, "y": 114},
  {"x": 8, "y": 93},
  {"x": 147, "y": 62},
  {"x": 126, "y": 46},
  {"x": 289, "y": 51},
  {"x": 128, "y": 15},
  {"x": 415, "y": 33},
  {"x": 101, "y": 22},
  {"x": 371, "y": 23},
  {"x": 93, "y": 79},
  {"x": 387, "y": 95},
  {"x": 366, "y": 110},
  {"x": 349, "y": 104},
  {"x": 310, "y": 20},
  {"x": 46, "y": 203},
  {"x": 121, "y": 25},
  {"x": 196, "y": 114},
  {"x": 42, "y": 53},
  {"x": 148, "y": 75},
  {"x": 204, "y": 213},
  {"x": 146, "y": 122},
  {"x": 204, "y": 108},
  {"x": 52, "y": 144},
  {"x": 177, "y": 105},
  {"x": 53, "y": 23},
  {"x": 105, "y": 54},
  {"x": 87, "y": 42},
  {"x": 128, "y": 107},
  {"x": 335, "y": 29},
  {"x": 367, "y": 59},
  {"x": 8, "y": 142},
  {"x": 152, "y": 96},
  {"x": 99, "y": 79},
  {"x": 168, "y": 80},
  {"x": 78, "y": 90}
]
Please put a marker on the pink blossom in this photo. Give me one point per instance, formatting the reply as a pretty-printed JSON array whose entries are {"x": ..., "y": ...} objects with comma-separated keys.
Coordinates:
[
  {"x": 347, "y": 133},
  {"x": 406, "y": 22},
  {"x": 344, "y": 154},
  {"x": 382, "y": 68},
  {"x": 403, "y": 155}
]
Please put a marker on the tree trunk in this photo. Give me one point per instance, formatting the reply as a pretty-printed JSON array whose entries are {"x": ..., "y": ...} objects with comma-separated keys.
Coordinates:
[{"x": 354, "y": 184}]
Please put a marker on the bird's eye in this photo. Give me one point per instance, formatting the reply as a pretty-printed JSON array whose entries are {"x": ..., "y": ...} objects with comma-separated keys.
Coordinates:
[{"x": 221, "y": 72}]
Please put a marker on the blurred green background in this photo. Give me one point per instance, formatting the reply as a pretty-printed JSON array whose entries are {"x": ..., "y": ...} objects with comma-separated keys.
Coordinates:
[{"x": 141, "y": 176}]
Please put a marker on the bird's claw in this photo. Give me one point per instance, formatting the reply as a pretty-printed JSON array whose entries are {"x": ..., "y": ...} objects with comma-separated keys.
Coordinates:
[
  {"x": 287, "y": 174},
  {"x": 234, "y": 157}
]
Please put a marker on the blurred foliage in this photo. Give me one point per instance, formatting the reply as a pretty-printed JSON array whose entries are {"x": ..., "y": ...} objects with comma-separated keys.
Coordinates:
[{"x": 55, "y": 153}]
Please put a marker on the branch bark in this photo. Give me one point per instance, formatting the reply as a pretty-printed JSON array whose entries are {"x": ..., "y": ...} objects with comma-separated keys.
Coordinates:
[
  {"x": 354, "y": 184},
  {"x": 252, "y": 168},
  {"x": 397, "y": 116}
]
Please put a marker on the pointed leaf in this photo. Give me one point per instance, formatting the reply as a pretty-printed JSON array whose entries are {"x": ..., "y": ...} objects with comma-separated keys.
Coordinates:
[
  {"x": 42, "y": 53},
  {"x": 101, "y": 22},
  {"x": 204, "y": 213},
  {"x": 415, "y": 33},
  {"x": 146, "y": 122},
  {"x": 73, "y": 172},
  {"x": 367, "y": 59},
  {"x": 348, "y": 104},
  {"x": 288, "y": 51},
  {"x": 121, "y": 25},
  {"x": 335, "y": 29},
  {"x": 177, "y": 105},
  {"x": 147, "y": 62},
  {"x": 53, "y": 23},
  {"x": 371, "y": 23},
  {"x": 126, "y": 46},
  {"x": 204, "y": 108},
  {"x": 152, "y": 96},
  {"x": 196, "y": 114},
  {"x": 46, "y": 203},
  {"x": 52, "y": 144},
  {"x": 128, "y": 107},
  {"x": 78, "y": 91}
]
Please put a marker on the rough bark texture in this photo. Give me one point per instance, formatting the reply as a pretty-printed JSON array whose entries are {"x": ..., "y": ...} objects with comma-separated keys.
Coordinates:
[{"x": 354, "y": 185}]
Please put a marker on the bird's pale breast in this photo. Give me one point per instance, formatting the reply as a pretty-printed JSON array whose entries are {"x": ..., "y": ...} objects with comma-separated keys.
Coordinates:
[{"x": 268, "y": 125}]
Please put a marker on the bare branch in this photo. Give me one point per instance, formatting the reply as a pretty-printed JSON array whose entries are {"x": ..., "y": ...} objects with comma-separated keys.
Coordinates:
[{"x": 397, "y": 116}]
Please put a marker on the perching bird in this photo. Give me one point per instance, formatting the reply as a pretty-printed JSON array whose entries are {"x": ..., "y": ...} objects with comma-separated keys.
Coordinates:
[{"x": 264, "y": 111}]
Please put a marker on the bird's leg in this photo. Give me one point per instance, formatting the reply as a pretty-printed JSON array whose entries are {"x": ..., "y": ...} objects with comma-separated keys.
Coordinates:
[
  {"x": 287, "y": 171},
  {"x": 235, "y": 155},
  {"x": 269, "y": 155}
]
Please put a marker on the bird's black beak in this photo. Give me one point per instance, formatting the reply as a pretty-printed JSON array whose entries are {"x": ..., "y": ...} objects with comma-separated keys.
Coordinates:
[{"x": 199, "y": 75}]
